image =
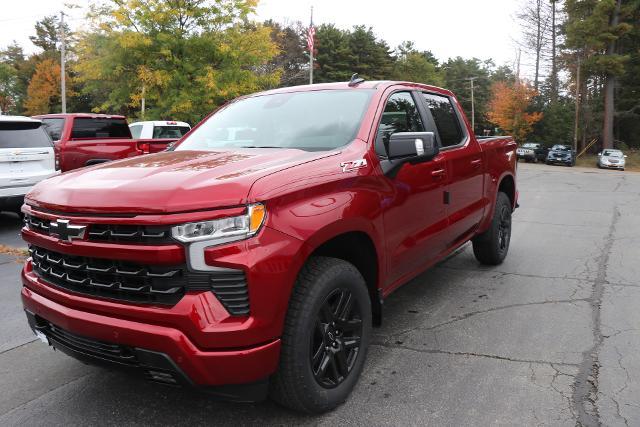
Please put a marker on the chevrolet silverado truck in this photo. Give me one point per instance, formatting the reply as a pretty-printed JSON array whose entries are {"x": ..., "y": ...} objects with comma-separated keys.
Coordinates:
[
  {"x": 253, "y": 257},
  {"x": 82, "y": 139}
]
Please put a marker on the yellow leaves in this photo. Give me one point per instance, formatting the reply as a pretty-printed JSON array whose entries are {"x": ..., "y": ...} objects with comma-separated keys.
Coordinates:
[
  {"x": 44, "y": 88},
  {"x": 508, "y": 108}
]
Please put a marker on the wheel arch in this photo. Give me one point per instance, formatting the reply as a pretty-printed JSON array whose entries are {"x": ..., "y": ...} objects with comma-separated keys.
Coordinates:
[{"x": 356, "y": 247}]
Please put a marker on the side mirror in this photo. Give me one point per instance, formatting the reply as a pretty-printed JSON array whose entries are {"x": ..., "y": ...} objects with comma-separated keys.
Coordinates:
[
  {"x": 599, "y": 154},
  {"x": 412, "y": 146},
  {"x": 408, "y": 147}
]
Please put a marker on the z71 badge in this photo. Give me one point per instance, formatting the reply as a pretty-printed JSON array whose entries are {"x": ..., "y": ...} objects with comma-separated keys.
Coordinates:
[{"x": 353, "y": 165}]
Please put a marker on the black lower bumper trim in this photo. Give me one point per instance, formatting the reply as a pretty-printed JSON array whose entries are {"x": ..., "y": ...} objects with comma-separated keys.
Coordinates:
[{"x": 150, "y": 365}]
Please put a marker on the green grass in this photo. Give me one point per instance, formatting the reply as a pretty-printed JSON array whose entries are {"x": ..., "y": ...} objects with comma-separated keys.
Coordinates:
[{"x": 591, "y": 160}]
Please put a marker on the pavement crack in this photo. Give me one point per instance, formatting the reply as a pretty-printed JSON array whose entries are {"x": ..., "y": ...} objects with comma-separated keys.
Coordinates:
[
  {"x": 585, "y": 386},
  {"x": 467, "y": 354},
  {"x": 19, "y": 345},
  {"x": 488, "y": 310}
]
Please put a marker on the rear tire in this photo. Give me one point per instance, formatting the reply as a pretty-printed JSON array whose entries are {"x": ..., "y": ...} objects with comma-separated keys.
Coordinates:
[
  {"x": 491, "y": 247},
  {"x": 325, "y": 339}
]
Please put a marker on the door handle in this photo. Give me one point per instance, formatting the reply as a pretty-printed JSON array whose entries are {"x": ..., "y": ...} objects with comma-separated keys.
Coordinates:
[
  {"x": 438, "y": 173},
  {"x": 476, "y": 162}
]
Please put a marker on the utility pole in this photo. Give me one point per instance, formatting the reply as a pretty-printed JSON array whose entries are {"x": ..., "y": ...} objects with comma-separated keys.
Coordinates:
[
  {"x": 63, "y": 83},
  {"x": 473, "y": 106},
  {"x": 311, "y": 45},
  {"x": 142, "y": 101},
  {"x": 577, "y": 116}
]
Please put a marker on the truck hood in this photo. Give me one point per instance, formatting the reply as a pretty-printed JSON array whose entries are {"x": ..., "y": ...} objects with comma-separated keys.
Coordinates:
[{"x": 165, "y": 182}]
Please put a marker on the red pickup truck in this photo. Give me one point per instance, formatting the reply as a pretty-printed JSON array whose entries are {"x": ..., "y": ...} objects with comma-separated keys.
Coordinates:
[
  {"x": 87, "y": 139},
  {"x": 254, "y": 256}
]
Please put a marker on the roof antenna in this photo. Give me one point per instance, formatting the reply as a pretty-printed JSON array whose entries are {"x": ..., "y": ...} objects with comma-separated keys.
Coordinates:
[{"x": 355, "y": 80}]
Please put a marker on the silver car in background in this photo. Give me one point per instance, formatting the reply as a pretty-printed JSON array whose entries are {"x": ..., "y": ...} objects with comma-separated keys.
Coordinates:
[
  {"x": 611, "y": 159},
  {"x": 26, "y": 158}
]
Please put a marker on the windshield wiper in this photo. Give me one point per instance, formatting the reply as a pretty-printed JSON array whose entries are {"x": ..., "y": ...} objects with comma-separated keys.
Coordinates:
[{"x": 260, "y": 146}]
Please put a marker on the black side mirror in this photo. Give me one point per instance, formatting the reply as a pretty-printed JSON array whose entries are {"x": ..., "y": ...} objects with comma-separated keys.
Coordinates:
[{"x": 409, "y": 147}]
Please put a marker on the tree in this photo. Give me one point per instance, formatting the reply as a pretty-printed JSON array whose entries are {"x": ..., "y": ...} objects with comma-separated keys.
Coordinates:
[
  {"x": 340, "y": 53},
  {"x": 535, "y": 22},
  {"x": 8, "y": 87},
  {"x": 291, "y": 58},
  {"x": 595, "y": 29},
  {"x": 414, "y": 66},
  {"x": 509, "y": 108},
  {"x": 47, "y": 35},
  {"x": 43, "y": 93},
  {"x": 186, "y": 56}
]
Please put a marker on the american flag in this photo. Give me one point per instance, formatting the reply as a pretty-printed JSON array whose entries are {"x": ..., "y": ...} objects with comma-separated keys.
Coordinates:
[{"x": 310, "y": 36}]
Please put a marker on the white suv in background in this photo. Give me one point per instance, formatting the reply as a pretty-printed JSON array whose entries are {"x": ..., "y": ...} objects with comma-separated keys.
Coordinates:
[
  {"x": 159, "y": 130},
  {"x": 26, "y": 158}
]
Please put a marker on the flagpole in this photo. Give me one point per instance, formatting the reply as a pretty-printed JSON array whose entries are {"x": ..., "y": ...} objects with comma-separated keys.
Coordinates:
[{"x": 311, "y": 53}]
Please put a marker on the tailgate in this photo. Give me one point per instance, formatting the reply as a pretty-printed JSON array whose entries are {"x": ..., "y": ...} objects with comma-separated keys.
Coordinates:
[{"x": 21, "y": 167}]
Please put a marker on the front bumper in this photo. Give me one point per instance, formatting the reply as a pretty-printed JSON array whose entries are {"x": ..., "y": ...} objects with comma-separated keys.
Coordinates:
[
  {"x": 562, "y": 161},
  {"x": 159, "y": 348},
  {"x": 612, "y": 166}
]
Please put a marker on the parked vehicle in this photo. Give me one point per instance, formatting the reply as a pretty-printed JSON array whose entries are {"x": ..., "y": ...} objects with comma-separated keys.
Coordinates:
[
  {"x": 611, "y": 159},
  {"x": 159, "y": 134},
  {"x": 87, "y": 139},
  {"x": 256, "y": 253},
  {"x": 532, "y": 152},
  {"x": 562, "y": 154},
  {"x": 26, "y": 158}
]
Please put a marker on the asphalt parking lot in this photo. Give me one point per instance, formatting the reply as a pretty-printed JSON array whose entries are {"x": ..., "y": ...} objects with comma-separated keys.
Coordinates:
[{"x": 550, "y": 337}]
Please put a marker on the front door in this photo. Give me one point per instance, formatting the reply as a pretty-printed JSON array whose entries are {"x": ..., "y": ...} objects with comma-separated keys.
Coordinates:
[{"x": 415, "y": 216}]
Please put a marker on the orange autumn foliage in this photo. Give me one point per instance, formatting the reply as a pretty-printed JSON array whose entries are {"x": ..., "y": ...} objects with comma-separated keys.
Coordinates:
[
  {"x": 508, "y": 108},
  {"x": 44, "y": 88}
]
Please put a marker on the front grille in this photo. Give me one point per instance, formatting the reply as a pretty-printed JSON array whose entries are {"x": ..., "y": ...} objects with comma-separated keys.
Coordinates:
[
  {"x": 112, "y": 233},
  {"x": 105, "y": 351},
  {"x": 149, "y": 284},
  {"x": 116, "y": 279}
]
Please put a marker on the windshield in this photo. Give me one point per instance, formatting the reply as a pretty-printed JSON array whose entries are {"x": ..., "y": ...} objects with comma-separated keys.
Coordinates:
[
  {"x": 312, "y": 121},
  {"x": 612, "y": 154},
  {"x": 560, "y": 148}
]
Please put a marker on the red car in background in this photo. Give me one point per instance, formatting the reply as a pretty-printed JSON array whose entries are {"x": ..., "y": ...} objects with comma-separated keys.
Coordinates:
[{"x": 83, "y": 139}]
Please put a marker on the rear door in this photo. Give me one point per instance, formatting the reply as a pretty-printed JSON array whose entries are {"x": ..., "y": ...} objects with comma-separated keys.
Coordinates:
[
  {"x": 26, "y": 154},
  {"x": 464, "y": 164}
]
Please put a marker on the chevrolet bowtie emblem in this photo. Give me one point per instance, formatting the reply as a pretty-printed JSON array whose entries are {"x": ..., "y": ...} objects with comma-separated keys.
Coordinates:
[{"x": 63, "y": 230}]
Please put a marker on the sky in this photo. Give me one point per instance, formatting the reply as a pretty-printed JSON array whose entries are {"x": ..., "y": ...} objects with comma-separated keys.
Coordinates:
[{"x": 449, "y": 28}]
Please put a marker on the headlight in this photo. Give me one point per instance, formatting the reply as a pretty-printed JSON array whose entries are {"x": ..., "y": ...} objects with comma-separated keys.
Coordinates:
[{"x": 222, "y": 230}]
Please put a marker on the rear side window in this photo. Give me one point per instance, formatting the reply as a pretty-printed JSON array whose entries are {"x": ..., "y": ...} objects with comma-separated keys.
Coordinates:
[
  {"x": 53, "y": 127},
  {"x": 100, "y": 128},
  {"x": 14, "y": 135},
  {"x": 136, "y": 131},
  {"x": 169, "y": 131},
  {"x": 446, "y": 119},
  {"x": 400, "y": 115}
]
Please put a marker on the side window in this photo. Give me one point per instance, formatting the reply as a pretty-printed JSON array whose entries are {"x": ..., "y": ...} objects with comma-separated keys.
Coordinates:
[
  {"x": 400, "y": 115},
  {"x": 446, "y": 119},
  {"x": 53, "y": 127},
  {"x": 136, "y": 131}
]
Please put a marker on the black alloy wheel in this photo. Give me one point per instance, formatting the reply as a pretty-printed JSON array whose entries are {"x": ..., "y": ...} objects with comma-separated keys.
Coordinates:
[{"x": 335, "y": 341}]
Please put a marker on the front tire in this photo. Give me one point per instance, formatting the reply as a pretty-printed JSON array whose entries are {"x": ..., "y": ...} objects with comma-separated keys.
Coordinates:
[
  {"x": 325, "y": 339},
  {"x": 491, "y": 247}
]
